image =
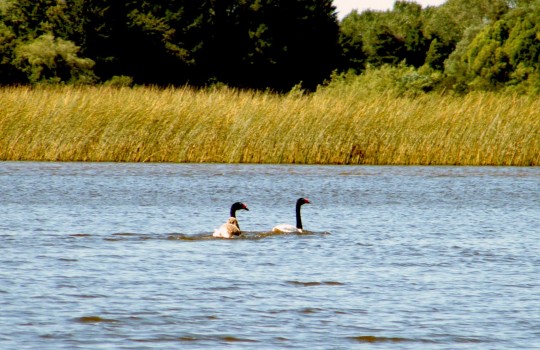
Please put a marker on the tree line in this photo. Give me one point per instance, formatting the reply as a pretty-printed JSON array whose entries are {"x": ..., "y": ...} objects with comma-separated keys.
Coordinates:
[{"x": 462, "y": 45}]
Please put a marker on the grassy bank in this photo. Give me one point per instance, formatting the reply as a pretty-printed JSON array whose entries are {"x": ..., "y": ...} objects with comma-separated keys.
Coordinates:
[{"x": 224, "y": 125}]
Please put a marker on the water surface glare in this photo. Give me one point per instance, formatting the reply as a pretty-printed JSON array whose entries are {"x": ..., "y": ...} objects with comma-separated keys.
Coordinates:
[{"x": 120, "y": 256}]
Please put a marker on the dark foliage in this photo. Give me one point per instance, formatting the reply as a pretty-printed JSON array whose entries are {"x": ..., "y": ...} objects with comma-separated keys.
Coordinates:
[
  {"x": 261, "y": 44},
  {"x": 266, "y": 44}
]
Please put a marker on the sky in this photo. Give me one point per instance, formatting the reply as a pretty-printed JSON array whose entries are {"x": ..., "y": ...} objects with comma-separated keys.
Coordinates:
[{"x": 344, "y": 7}]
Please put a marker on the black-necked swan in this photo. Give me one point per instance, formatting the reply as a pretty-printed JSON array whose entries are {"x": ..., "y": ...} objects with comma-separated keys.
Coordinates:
[
  {"x": 286, "y": 228},
  {"x": 231, "y": 228}
]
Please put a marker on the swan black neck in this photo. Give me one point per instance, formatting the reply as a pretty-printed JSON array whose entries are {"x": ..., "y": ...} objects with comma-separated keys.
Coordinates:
[
  {"x": 298, "y": 217},
  {"x": 299, "y": 203}
]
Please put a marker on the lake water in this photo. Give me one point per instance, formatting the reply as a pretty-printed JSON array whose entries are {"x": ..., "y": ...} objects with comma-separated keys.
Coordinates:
[{"x": 120, "y": 256}]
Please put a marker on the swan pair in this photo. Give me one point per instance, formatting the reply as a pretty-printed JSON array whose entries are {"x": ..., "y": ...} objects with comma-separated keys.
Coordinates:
[{"x": 231, "y": 228}]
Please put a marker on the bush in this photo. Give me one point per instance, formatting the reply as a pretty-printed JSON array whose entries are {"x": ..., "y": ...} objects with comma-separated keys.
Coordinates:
[
  {"x": 119, "y": 81},
  {"x": 401, "y": 80}
]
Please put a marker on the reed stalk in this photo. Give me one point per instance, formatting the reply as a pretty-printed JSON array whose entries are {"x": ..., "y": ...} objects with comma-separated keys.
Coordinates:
[{"x": 224, "y": 125}]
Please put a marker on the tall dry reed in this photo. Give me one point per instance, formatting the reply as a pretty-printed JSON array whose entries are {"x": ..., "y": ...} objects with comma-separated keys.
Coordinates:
[{"x": 226, "y": 125}]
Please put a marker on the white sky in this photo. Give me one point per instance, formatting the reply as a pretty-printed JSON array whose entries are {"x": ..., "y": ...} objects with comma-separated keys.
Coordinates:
[{"x": 344, "y": 7}]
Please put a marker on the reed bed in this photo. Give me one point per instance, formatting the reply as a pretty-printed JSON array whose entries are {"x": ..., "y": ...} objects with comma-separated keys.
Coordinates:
[{"x": 229, "y": 126}]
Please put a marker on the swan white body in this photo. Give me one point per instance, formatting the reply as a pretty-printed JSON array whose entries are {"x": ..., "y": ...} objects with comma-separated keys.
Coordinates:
[
  {"x": 228, "y": 229},
  {"x": 286, "y": 228}
]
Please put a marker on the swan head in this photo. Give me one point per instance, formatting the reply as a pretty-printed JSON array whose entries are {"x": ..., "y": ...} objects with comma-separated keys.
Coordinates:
[
  {"x": 302, "y": 201},
  {"x": 238, "y": 206}
]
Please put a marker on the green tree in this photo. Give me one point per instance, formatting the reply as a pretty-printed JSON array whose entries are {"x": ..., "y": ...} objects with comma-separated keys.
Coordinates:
[
  {"x": 386, "y": 47},
  {"x": 407, "y": 21},
  {"x": 260, "y": 44},
  {"x": 51, "y": 59},
  {"x": 352, "y": 56},
  {"x": 275, "y": 43},
  {"x": 367, "y": 34},
  {"x": 453, "y": 25},
  {"x": 504, "y": 53},
  {"x": 436, "y": 55},
  {"x": 388, "y": 37},
  {"x": 9, "y": 74},
  {"x": 523, "y": 45},
  {"x": 487, "y": 62},
  {"x": 449, "y": 21},
  {"x": 35, "y": 43}
]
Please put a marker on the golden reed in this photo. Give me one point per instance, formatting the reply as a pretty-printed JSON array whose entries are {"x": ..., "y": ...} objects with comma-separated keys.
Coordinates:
[{"x": 224, "y": 125}]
